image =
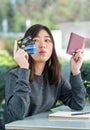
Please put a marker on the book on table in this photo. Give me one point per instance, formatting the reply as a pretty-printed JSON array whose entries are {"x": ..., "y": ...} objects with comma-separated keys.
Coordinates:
[
  {"x": 70, "y": 114},
  {"x": 66, "y": 112}
]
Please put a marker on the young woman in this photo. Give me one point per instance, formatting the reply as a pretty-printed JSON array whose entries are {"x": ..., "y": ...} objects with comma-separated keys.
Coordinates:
[{"x": 37, "y": 83}]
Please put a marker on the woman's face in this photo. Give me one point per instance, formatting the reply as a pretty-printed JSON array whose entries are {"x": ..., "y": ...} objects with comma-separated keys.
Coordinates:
[{"x": 44, "y": 46}]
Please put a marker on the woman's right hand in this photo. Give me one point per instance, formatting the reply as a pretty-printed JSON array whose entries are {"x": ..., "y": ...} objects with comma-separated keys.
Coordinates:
[{"x": 20, "y": 56}]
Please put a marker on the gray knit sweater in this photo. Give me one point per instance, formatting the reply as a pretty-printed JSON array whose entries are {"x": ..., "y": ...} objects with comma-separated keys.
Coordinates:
[{"x": 24, "y": 98}]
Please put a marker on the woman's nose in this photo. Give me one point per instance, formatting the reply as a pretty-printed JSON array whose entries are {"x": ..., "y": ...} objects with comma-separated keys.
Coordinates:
[{"x": 42, "y": 44}]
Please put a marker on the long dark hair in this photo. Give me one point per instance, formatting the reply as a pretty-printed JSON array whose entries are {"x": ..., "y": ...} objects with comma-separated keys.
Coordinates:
[{"x": 52, "y": 68}]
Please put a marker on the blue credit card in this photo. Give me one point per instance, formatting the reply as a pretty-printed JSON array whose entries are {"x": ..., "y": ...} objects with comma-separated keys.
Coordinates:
[
  {"x": 31, "y": 49},
  {"x": 27, "y": 44}
]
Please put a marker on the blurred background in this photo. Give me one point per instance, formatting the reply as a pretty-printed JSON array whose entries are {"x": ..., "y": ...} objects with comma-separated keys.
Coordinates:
[{"x": 61, "y": 16}]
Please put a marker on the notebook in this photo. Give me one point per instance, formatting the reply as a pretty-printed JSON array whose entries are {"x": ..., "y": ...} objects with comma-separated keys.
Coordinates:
[
  {"x": 75, "y": 42},
  {"x": 65, "y": 111},
  {"x": 70, "y": 114}
]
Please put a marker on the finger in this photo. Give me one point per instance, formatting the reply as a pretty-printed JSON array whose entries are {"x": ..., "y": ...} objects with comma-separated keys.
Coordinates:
[
  {"x": 80, "y": 50},
  {"x": 15, "y": 47},
  {"x": 79, "y": 56},
  {"x": 26, "y": 56}
]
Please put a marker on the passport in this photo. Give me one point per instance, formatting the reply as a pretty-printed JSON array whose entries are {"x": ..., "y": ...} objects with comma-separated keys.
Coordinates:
[{"x": 75, "y": 42}]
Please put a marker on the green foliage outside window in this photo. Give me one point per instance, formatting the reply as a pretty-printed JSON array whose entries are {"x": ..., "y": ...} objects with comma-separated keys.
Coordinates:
[
  {"x": 49, "y": 12},
  {"x": 85, "y": 71},
  {"x": 6, "y": 62}
]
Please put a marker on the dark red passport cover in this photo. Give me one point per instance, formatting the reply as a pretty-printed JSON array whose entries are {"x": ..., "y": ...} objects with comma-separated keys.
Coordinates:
[{"x": 75, "y": 42}]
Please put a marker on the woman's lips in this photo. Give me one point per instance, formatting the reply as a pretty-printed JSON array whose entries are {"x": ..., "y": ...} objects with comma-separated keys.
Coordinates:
[{"x": 42, "y": 52}]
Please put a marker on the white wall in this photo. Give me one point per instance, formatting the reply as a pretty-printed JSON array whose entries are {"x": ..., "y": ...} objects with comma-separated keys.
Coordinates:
[{"x": 57, "y": 34}]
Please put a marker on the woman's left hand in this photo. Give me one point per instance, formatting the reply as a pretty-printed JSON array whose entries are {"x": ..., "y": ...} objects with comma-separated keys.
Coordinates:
[{"x": 76, "y": 61}]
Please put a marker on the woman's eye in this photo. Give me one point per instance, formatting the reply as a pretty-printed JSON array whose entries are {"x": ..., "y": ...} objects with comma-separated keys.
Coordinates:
[
  {"x": 36, "y": 40},
  {"x": 47, "y": 40}
]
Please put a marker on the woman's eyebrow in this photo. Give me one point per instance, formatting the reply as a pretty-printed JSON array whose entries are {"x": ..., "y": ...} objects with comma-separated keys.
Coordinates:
[
  {"x": 40, "y": 36},
  {"x": 47, "y": 36}
]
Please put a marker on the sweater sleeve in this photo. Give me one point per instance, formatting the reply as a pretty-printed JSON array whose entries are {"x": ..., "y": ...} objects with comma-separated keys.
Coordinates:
[
  {"x": 73, "y": 93},
  {"x": 17, "y": 94}
]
